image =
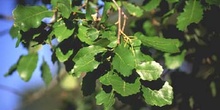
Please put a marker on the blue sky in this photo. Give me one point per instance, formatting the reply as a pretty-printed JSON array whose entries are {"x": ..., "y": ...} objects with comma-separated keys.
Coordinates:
[{"x": 8, "y": 56}]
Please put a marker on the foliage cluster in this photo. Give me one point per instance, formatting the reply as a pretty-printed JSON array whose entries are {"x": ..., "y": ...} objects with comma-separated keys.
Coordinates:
[{"x": 123, "y": 55}]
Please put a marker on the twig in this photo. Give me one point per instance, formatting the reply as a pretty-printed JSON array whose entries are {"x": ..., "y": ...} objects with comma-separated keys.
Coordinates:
[
  {"x": 124, "y": 21},
  {"x": 119, "y": 21}
]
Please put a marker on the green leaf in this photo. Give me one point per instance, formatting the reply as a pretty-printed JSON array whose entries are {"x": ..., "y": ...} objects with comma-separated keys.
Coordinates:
[
  {"x": 87, "y": 35},
  {"x": 140, "y": 57},
  {"x": 85, "y": 64},
  {"x": 149, "y": 28},
  {"x": 63, "y": 6},
  {"x": 46, "y": 74},
  {"x": 172, "y": 1},
  {"x": 162, "y": 97},
  {"x": 61, "y": 57},
  {"x": 14, "y": 32},
  {"x": 133, "y": 10},
  {"x": 162, "y": 44},
  {"x": 90, "y": 10},
  {"x": 27, "y": 65},
  {"x": 106, "y": 9},
  {"x": 111, "y": 36},
  {"x": 213, "y": 2},
  {"x": 26, "y": 17},
  {"x": 102, "y": 42},
  {"x": 150, "y": 70},
  {"x": 193, "y": 13},
  {"x": 173, "y": 62},
  {"x": 11, "y": 70},
  {"x": 123, "y": 60},
  {"x": 152, "y": 4},
  {"x": 107, "y": 99},
  {"x": 93, "y": 34},
  {"x": 61, "y": 31},
  {"x": 85, "y": 60},
  {"x": 119, "y": 85}
]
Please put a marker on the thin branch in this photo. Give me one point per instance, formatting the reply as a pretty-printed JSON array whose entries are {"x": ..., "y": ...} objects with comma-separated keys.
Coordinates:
[
  {"x": 119, "y": 21},
  {"x": 124, "y": 21}
]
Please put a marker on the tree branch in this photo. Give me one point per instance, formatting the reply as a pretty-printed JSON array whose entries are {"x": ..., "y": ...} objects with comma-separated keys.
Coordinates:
[{"x": 119, "y": 21}]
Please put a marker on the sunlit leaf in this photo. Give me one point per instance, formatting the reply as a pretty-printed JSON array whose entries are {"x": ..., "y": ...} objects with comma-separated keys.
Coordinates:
[
  {"x": 193, "y": 13},
  {"x": 87, "y": 35},
  {"x": 119, "y": 85},
  {"x": 161, "y": 97},
  {"x": 85, "y": 60},
  {"x": 27, "y": 17},
  {"x": 133, "y": 10},
  {"x": 123, "y": 60},
  {"x": 90, "y": 10},
  {"x": 27, "y": 65},
  {"x": 173, "y": 62},
  {"x": 152, "y": 4},
  {"x": 107, "y": 99},
  {"x": 46, "y": 74},
  {"x": 61, "y": 56},
  {"x": 85, "y": 64},
  {"x": 162, "y": 44},
  {"x": 64, "y": 6},
  {"x": 93, "y": 34},
  {"x": 150, "y": 70},
  {"x": 61, "y": 31}
]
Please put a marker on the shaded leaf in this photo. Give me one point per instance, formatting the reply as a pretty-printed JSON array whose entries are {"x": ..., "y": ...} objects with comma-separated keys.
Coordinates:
[
  {"x": 106, "y": 9},
  {"x": 27, "y": 17},
  {"x": 102, "y": 42},
  {"x": 133, "y": 10},
  {"x": 150, "y": 70},
  {"x": 111, "y": 36},
  {"x": 61, "y": 31},
  {"x": 152, "y": 4},
  {"x": 149, "y": 28},
  {"x": 162, "y": 44},
  {"x": 46, "y": 74},
  {"x": 162, "y": 97},
  {"x": 173, "y": 62},
  {"x": 61, "y": 57},
  {"x": 119, "y": 85},
  {"x": 107, "y": 99},
  {"x": 123, "y": 60},
  {"x": 213, "y": 2},
  {"x": 172, "y": 1},
  {"x": 193, "y": 13},
  {"x": 27, "y": 65}
]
